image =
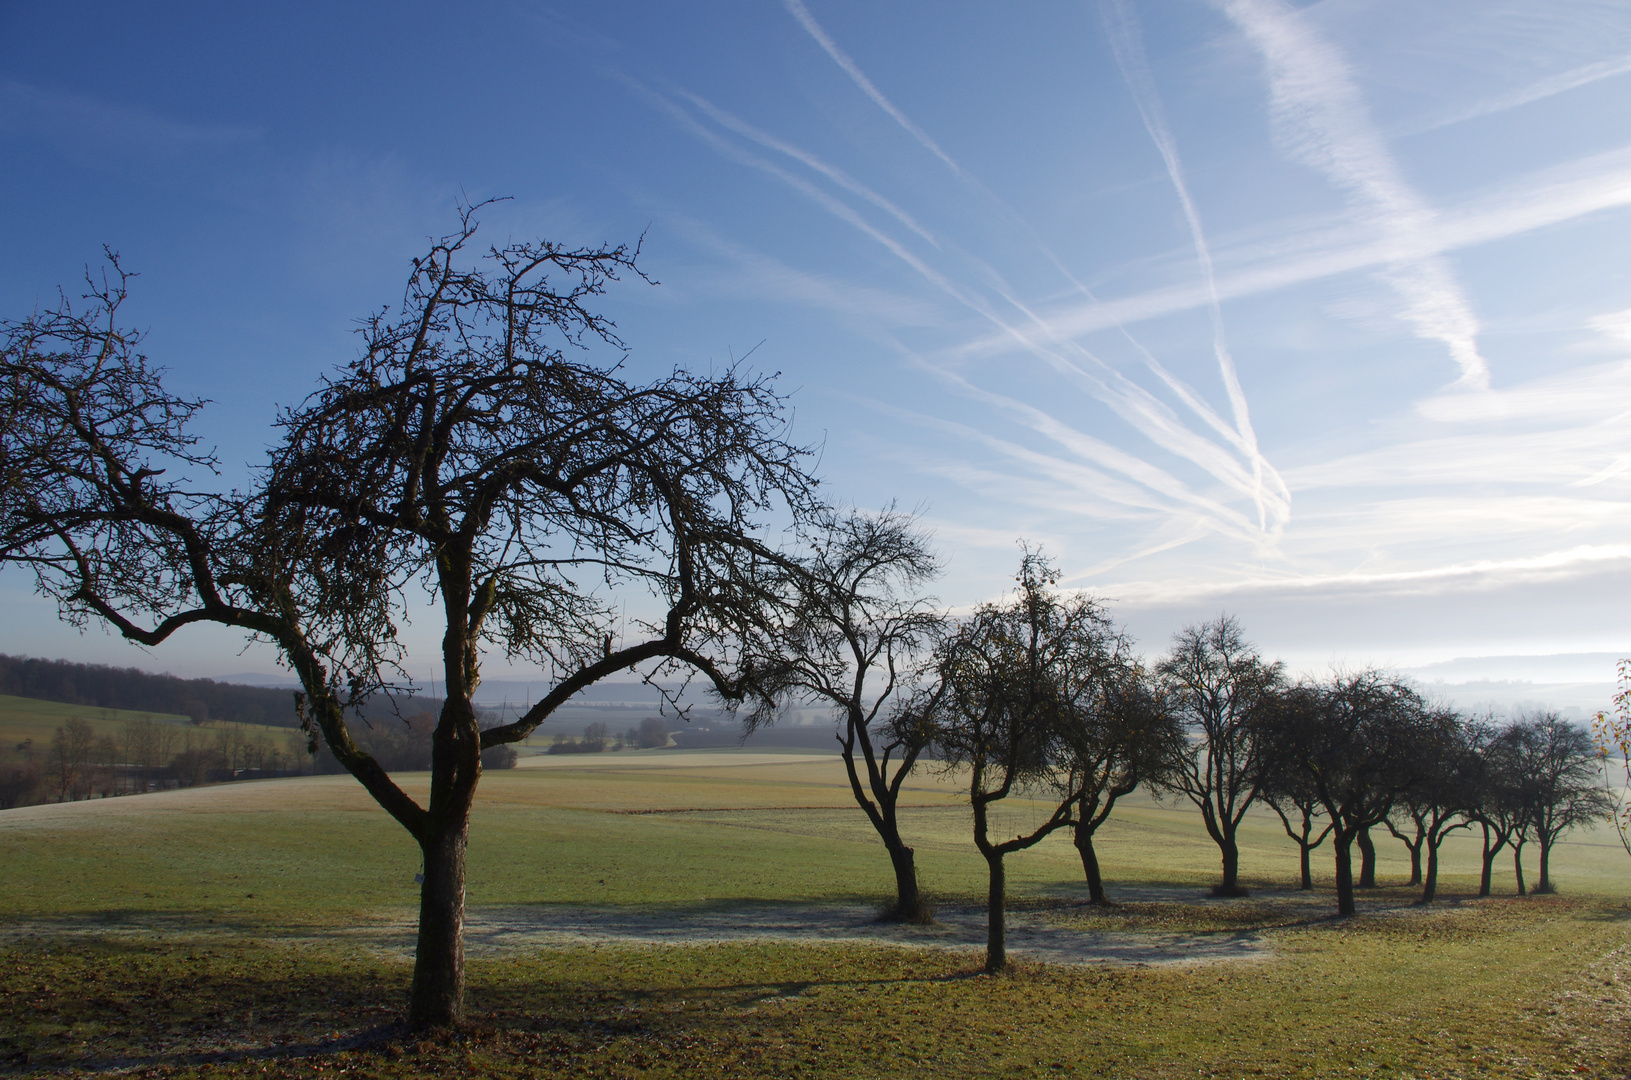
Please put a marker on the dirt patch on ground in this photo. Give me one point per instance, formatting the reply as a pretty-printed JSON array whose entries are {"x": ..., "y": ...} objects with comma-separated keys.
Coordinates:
[
  {"x": 1032, "y": 935},
  {"x": 1055, "y": 935}
]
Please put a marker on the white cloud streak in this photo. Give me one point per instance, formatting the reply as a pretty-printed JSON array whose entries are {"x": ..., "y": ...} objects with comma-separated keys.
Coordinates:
[
  {"x": 1452, "y": 577},
  {"x": 836, "y": 175},
  {"x": 1536, "y": 91},
  {"x": 1102, "y": 454},
  {"x": 1323, "y": 123},
  {"x": 1032, "y": 335},
  {"x": 1130, "y": 402}
]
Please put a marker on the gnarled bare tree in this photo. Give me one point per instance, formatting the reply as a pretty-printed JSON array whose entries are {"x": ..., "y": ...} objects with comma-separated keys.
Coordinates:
[
  {"x": 1440, "y": 798},
  {"x": 1120, "y": 735},
  {"x": 464, "y": 452},
  {"x": 1359, "y": 740},
  {"x": 1556, "y": 764}
]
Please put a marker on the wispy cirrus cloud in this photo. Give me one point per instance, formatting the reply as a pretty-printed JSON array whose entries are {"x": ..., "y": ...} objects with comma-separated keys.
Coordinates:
[
  {"x": 1030, "y": 332},
  {"x": 876, "y": 309},
  {"x": 1323, "y": 123},
  {"x": 1576, "y": 561},
  {"x": 74, "y": 118}
]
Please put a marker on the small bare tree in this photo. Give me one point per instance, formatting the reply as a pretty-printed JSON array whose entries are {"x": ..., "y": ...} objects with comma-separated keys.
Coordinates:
[
  {"x": 851, "y": 640},
  {"x": 1219, "y": 686},
  {"x": 69, "y": 758},
  {"x": 1014, "y": 679},
  {"x": 1359, "y": 740},
  {"x": 1286, "y": 786},
  {"x": 1119, "y": 735},
  {"x": 1441, "y": 798},
  {"x": 1556, "y": 764}
]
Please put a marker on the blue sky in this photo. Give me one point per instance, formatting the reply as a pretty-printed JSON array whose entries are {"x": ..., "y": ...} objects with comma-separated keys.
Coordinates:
[{"x": 1316, "y": 313}]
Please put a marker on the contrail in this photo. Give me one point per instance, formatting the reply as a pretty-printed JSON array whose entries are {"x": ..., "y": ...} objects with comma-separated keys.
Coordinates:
[
  {"x": 1241, "y": 434},
  {"x": 1032, "y": 332},
  {"x": 797, "y": 9},
  {"x": 1129, "y": 49}
]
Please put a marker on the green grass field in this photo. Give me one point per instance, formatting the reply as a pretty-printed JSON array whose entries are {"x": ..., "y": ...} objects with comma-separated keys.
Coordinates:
[{"x": 169, "y": 932}]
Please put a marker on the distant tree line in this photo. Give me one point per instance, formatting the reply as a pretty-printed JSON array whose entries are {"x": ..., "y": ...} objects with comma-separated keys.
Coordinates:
[
  {"x": 144, "y": 755},
  {"x": 598, "y": 738},
  {"x": 106, "y": 687}
]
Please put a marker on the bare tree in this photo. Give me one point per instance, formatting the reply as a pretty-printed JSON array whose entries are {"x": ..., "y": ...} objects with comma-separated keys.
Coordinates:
[
  {"x": 140, "y": 742},
  {"x": 1501, "y": 812},
  {"x": 851, "y": 641},
  {"x": 1218, "y": 686},
  {"x": 69, "y": 758},
  {"x": 1286, "y": 786},
  {"x": 653, "y": 732},
  {"x": 463, "y": 452},
  {"x": 1358, "y": 740},
  {"x": 1556, "y": 766},
  {"x": 1012, "y": 678},
  {"x": 1441, "y": 798},
  {"x": 1118, "y": 735}
]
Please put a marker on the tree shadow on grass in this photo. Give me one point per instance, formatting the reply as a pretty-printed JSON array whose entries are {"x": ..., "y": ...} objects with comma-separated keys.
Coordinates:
[{"x": 86, "y": 1005}]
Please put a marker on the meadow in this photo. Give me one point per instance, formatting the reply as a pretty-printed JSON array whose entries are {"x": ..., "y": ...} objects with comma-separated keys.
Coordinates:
[{"x": 266, "y": 927}]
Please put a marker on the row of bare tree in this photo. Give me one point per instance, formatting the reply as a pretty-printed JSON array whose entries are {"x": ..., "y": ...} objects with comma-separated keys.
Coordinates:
[{"x": 1041, "y": 695}]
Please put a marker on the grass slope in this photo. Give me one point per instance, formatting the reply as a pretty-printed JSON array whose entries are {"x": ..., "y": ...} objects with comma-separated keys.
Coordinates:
[
  {"x": 31, "y": 721},
  {"x": 30, "y": 718}
]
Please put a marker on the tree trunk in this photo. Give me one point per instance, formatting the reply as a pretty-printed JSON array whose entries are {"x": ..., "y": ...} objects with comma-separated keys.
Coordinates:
[
  {"x": 1230, "y": 885},
  {"x": 908, "y": 901},
  {"x": 1429, "y": 888},
  {"x": 1517, "y": 867},
  {"x": 1545, "y": 885},
  {"x": 1307, "y": 881},
  {"x": 1486, "y": 881},
  {"x": 1367, "y": 859},
  {"x": 1345, "y": 873},
  {"x": 1415, "y": 861},
  {"x": 909, "y": 906},
  {"x": 437, "y": 999},
  {"x": 996, "y": 931},
  {"x": 1090, "y": 866}
]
